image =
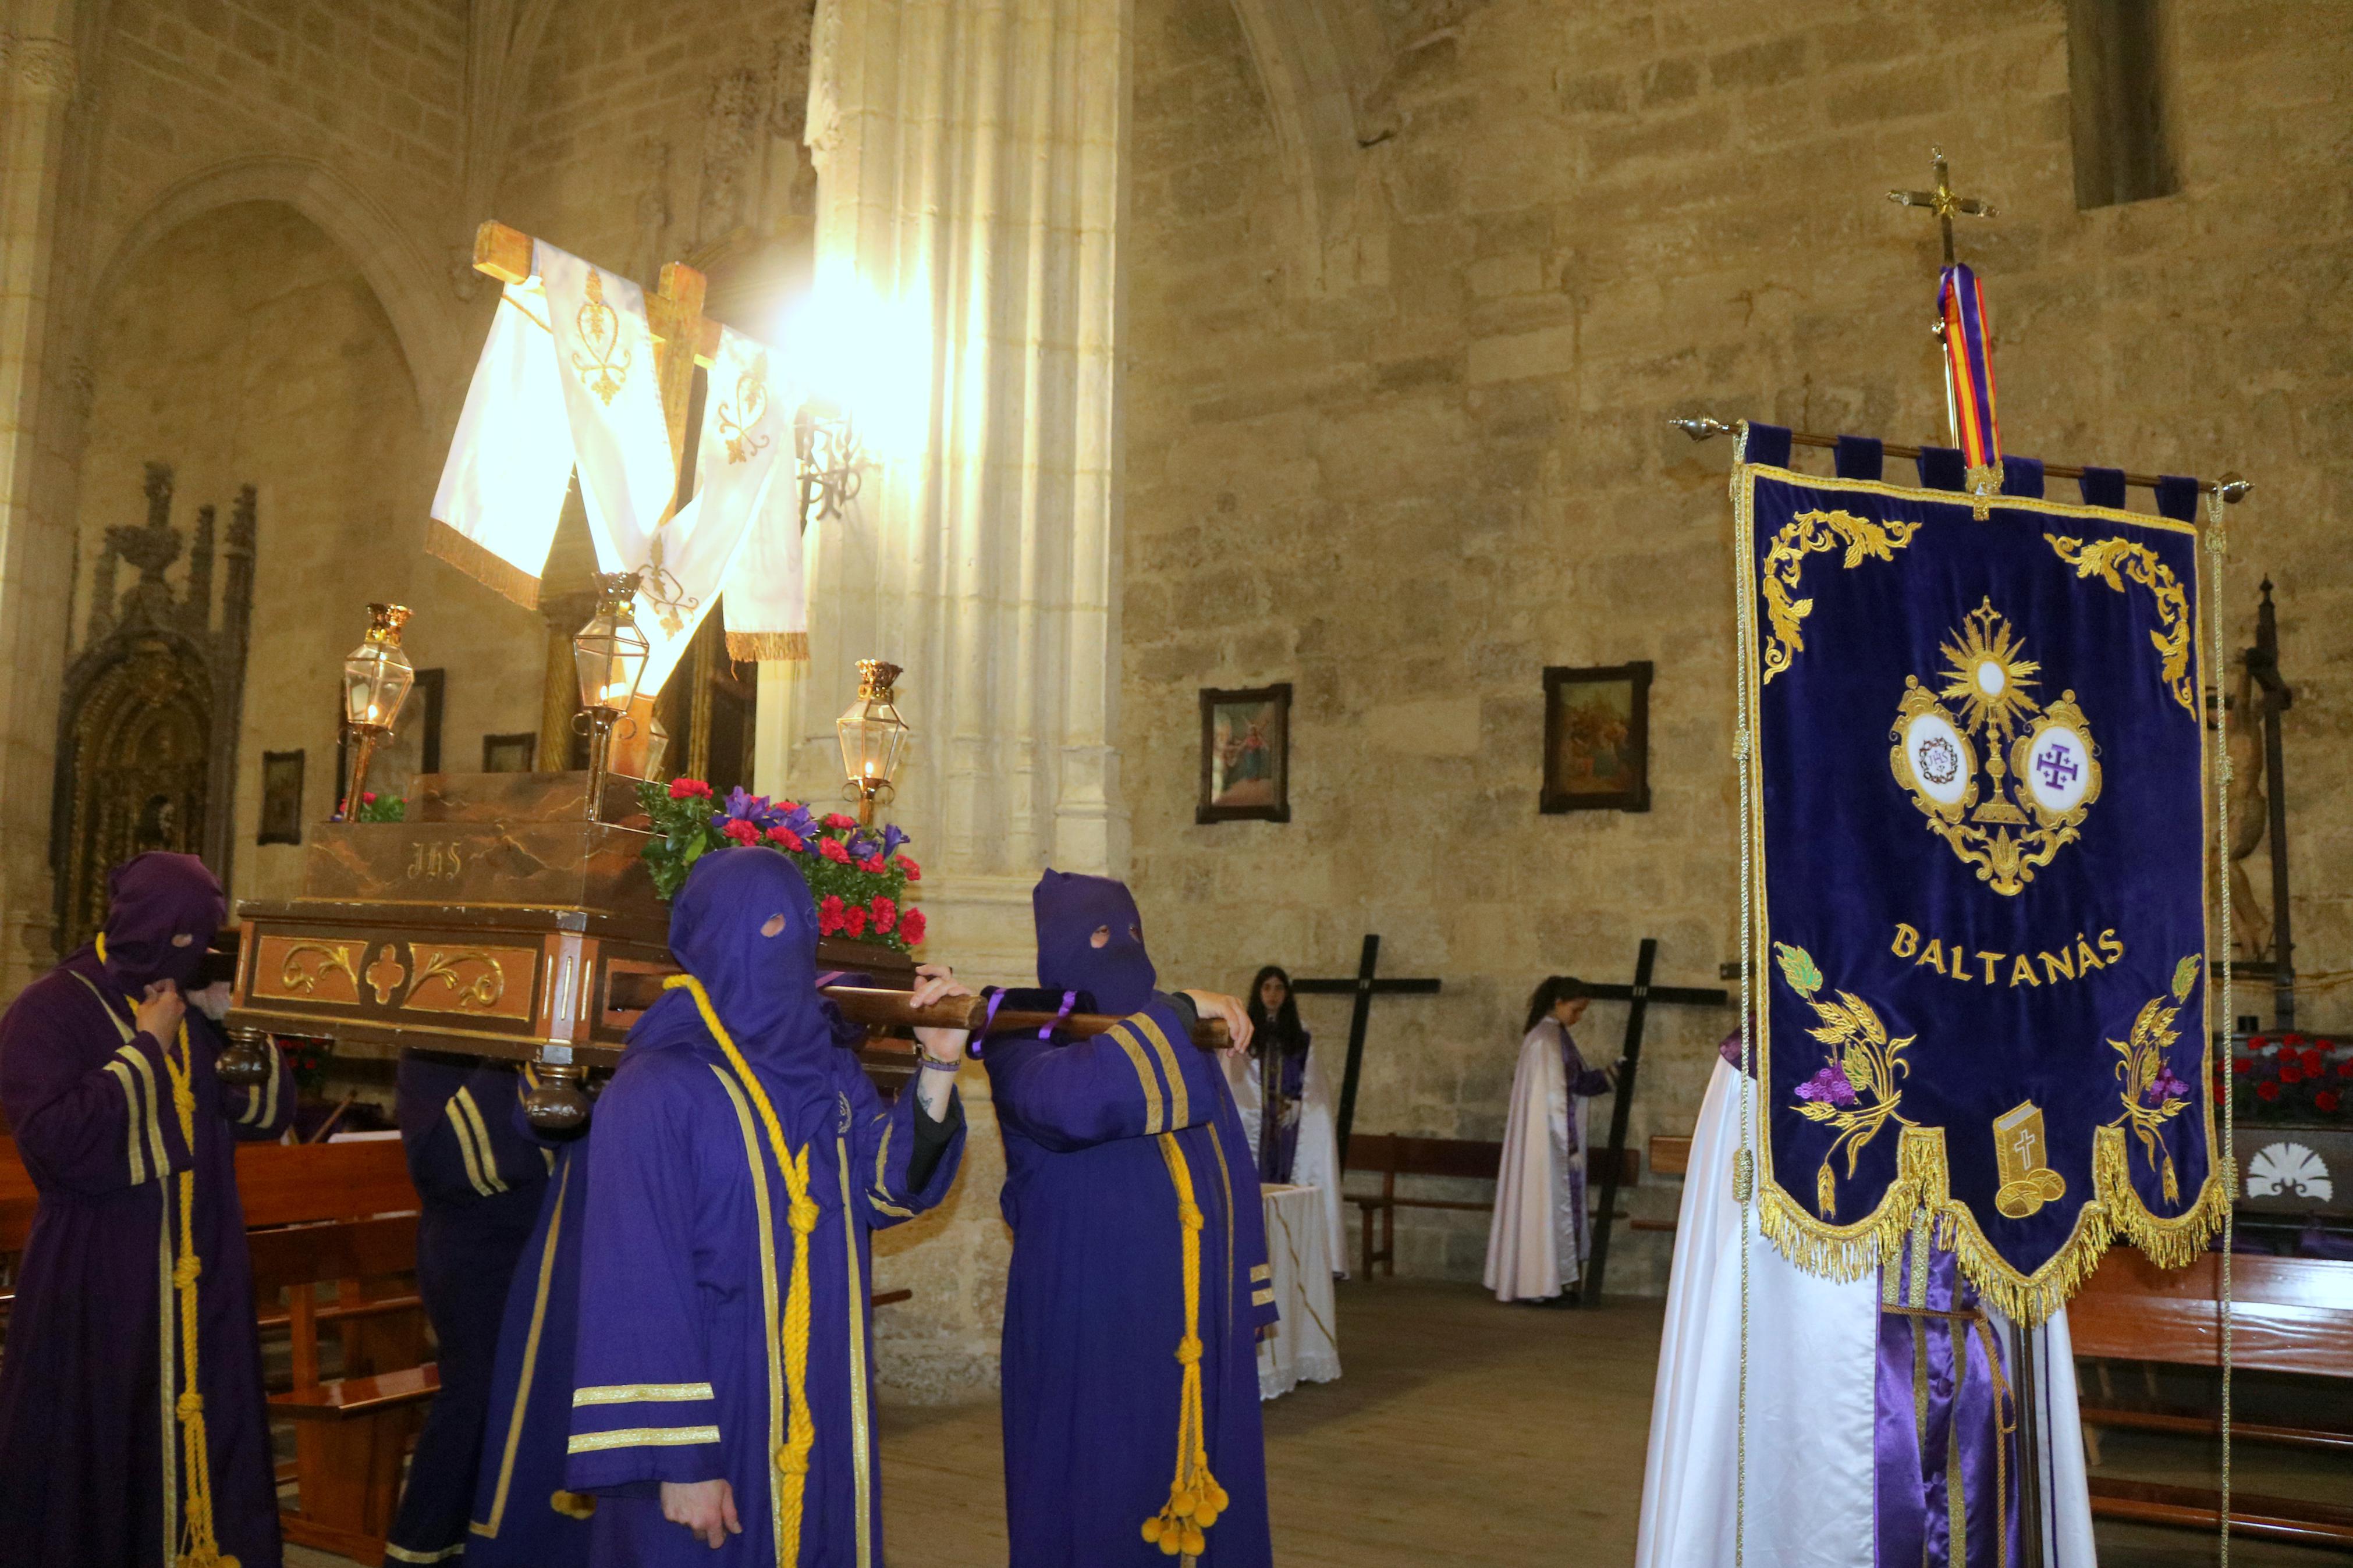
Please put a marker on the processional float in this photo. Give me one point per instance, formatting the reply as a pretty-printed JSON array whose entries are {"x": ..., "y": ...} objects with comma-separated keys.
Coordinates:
[
  {"x": 514, "y": 915},
  {"x": 1980, "y": 995}
]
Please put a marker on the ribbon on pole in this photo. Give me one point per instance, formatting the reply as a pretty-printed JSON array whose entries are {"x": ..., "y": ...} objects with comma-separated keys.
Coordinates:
[{"x": 1968, "y": 376}]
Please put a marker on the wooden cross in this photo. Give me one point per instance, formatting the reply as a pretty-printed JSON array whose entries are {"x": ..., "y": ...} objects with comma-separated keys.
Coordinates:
[
  {"x": 674, "y": 316},
  {"x": 1943, "y": 202},
  {"x": 1638, "y": 996},
  {"x": 1364, "y": 987}
]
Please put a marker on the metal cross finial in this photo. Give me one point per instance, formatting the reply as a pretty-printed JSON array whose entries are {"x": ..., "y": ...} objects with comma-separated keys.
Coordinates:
[{"x": 1943, "y": 202}]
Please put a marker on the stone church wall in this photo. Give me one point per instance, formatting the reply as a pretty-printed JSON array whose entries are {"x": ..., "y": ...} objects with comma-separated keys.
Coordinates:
[{"x": 1407, "y": 463}]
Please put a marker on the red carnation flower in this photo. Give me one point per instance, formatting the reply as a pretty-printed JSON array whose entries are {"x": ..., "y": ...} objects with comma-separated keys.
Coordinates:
[
  {"x": 915, "y": 872},
  {"x": 832, "y": 850},
  {"x": 2257, "y": 1042},
  {"x": 910, "y": 926},
  {"x": 788, "y": 806},
  {"x": 2325, "y": 1100},
  {"x": 829, "y": 915},
  {"x": 2267, "y": 1090},
  {"x": 740, "y": 831},
  {"x": 853, "y": 923},
  {"x": 785, "y": 839},
  {"x": 2345, "y": 1067},
  {"x": 367, "y": 797},
  {"x": 689, "y": 789},
  {"x": 837, "y": 820},
  {"x": 2291, "y": 1073},
  {"x": 886, "y": 913},
  {"x": 2242, "y": 1067},
  {"x": 2295, "y": 1040},
  {"x": 2311, "y": 1063}
]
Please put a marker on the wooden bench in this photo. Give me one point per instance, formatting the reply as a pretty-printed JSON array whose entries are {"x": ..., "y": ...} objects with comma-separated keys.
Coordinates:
[
  {"x": 1392, "y": 1155},
  {"x": 2288, "y": 1314}
]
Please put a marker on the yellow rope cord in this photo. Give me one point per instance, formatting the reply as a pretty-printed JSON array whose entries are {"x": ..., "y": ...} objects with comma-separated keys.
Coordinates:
[
  {"x": 203, "y": 1551},
  {"x": 800, "y": 1427},
  {"x": 1195, "y": 1497}
]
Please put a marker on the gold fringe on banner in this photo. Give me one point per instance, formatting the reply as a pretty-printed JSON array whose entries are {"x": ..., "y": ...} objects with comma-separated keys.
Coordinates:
[
  {"x": 503, "y": 577},
  {"x": 1922, "y": 1186},
  {"x": 769, "y": 646}
]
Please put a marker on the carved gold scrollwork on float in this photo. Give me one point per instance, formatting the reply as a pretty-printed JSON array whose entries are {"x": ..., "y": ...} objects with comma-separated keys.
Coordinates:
[
  {"x": 737, "y": 417},
  {"x": 2102, "y": 558},
  {"x": 477, "y": 992},
  {"x": 2041, "y": 769},
  {"x": 601, "y": 363},
  {"x": 297, "y": 978},
  {"x": 384, "y": 975},
  {"x": 1810, "y": 533}
]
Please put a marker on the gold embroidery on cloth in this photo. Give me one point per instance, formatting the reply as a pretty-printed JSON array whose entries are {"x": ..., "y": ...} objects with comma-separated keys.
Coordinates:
[
  {"x": 2101, "y": 558},
  {"x": 737, "y": 418},
  {"x": 1809, "y": 534},
  {"x": 2152, "y": 1096},
  {"x": 639, "y": 1394},
  {"x": 642, "y": 1438},
  {"x": 600, "y": 362},
  {"x": 1856, "y": 1093},
  {"x": 2020, "y": 1157},
  {"x": 2042, "y": 768}
]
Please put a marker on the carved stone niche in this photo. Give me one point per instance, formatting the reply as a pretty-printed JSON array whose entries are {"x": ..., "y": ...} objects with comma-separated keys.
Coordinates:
[{"x": 147, "y": 724}]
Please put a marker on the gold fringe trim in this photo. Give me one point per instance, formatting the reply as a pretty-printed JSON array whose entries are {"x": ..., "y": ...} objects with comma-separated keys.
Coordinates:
[
  {"x": 769, "y": 646},
  {"x": 1922, "y": 1184},
  {"x": 501, "y": 576}
]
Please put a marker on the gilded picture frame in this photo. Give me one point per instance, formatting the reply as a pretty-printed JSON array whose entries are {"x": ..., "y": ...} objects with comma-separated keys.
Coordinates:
[
  {"x": 1597, "y": 754},
  {"x": 1245, "y": 755}
]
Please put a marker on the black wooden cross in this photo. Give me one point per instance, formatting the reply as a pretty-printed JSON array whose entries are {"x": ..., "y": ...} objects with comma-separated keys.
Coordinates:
[
  {"x": 1639, "y": 995},
  {"x": 1362, "y": 986}
]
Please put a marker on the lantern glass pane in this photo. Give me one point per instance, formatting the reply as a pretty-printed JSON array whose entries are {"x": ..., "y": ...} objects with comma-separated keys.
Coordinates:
[{"x": 377, "y": 678}]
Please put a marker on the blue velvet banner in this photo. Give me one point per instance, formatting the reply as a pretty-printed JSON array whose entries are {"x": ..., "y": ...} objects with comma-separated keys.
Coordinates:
[{"x": 1979, "y": 894}]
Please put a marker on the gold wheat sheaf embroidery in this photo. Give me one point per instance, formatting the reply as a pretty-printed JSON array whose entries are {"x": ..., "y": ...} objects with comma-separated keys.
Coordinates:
[
  {"x": 2152, "y": 1095},
  {"x": 1856, "y": 1094},
  {"x": 2101, "y": 558},
  {"x": 1813, "y": 533},
  {"x": 601, "y": 363}
]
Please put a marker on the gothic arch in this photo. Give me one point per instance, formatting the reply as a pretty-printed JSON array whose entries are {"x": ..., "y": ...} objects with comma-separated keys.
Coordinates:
[
  {"x": 416, "y": 298},
  {"x": 1320, "y": 62}
]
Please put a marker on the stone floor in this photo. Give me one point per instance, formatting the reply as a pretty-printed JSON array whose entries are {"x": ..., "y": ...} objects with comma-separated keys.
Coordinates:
[{"x": 1469, "y": 1433}]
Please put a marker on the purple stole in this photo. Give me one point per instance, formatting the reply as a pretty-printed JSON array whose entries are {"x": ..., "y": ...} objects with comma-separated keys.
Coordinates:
[{"x": 1945, "y": 1422}]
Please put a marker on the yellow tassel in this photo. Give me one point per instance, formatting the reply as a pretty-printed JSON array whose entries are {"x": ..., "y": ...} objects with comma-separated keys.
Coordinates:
[
  {"x": 1195, "y": 1497},
  {"x": 800, "y": 1427}
]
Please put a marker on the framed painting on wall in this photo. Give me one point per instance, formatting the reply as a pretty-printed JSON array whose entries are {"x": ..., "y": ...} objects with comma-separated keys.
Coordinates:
[
  {"x": 1245, "y": 755},
  {"x": 282, "y": 798},
  {"x": 1598, "y": 738}
]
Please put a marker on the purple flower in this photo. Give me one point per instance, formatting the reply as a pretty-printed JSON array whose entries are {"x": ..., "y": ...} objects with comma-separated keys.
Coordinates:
[
  {"x": 891, "y": 839},
  {"x": 798, "y": 817},
  {"x": 2163, "y": 1086},
  {"x": 1829, "y": 1086}
]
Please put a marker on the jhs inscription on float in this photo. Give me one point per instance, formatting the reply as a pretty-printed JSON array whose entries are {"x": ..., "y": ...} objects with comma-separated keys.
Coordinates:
[
  {"x": 435, "y": 862},
  {"x": 2072, "y": 962}
]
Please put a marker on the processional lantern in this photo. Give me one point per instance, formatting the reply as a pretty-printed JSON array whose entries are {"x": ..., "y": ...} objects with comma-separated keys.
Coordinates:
[
  {"x": 377, "y": 678},
  {"x": 872, "y": 735},
  {"x": 609, "y": 654}
]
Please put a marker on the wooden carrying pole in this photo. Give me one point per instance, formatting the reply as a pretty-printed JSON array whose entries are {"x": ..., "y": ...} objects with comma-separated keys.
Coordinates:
[{"x": 892, "y": 1010}]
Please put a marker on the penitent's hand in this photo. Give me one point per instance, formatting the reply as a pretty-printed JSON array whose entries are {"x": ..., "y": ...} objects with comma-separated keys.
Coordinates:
[
  {"x": 213, "y": 1000},
  {"x": 160, "y": 1012},
  {"x": 1210, "y": 1004},
  {"x": 707, "y": 1508},
  {"x": 933, "y": 982}
]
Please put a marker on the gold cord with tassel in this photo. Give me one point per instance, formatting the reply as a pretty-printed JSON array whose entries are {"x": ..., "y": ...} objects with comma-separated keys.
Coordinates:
[
  {"x": 202, "y": 1549},
  {"x": 800, "y": 1427},
  {"x": 1195, "y": 1497}
]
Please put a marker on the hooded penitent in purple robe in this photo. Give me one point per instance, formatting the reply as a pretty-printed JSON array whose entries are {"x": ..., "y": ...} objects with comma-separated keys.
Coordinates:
[
  {"x": 1139, "y": 1277},
  {"x": 725, "y": 1329},
  {"x": 523, "y": 1515},
  {"x": 95, "y": 1460},
  {"x": 479, "y": 1180}
]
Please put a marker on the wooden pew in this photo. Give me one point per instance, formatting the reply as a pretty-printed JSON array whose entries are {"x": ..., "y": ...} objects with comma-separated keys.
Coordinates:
[
  {"x": 2288, "y": 1314},
  {"x": 1392, "y": 1155}
]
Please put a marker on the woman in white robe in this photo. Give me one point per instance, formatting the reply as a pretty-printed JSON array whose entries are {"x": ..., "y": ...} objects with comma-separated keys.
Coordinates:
[
  {"x": 1540, "y": 1236},
  {"x": 1306, "y": 1148}
]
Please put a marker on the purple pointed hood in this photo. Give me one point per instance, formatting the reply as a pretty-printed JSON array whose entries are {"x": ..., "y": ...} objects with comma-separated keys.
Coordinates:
[
  {"x": 1070, "y": 908},
  {"x": 162, "y": 911}
]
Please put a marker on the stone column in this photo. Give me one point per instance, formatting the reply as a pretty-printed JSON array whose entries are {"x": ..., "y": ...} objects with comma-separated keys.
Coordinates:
[
  {"x": 36, "y": 94},
  {"x": 970, "y": 159}
]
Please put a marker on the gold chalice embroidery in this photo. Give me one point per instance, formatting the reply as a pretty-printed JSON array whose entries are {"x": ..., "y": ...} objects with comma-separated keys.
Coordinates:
[{"x": 2041, "y": 767}]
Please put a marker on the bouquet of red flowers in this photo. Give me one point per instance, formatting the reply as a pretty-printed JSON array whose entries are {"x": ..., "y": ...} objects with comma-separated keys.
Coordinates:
[
  {"x": 858, "y": 876},
  {"x": 2293, "y": 1078}
]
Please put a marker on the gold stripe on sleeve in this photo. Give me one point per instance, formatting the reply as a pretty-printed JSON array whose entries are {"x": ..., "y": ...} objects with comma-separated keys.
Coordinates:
[
  {"x": 642, "y": 1438},
  {"x": 639, "y": 1394},
  {"x": 1261, "y": 1272},
  {"x": 1155, "y": 1120},
  {"x": 1179, "y": 1113},
  {"x": 464, "y": 1134},
  {"x": 153, "y": 1105},
  {"x": 402, "y": 1553},
  {"x": 465, "y": 1099},
  {"x": 1263, "y": 1297},
  {"x": 131, "y": 1119}
]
